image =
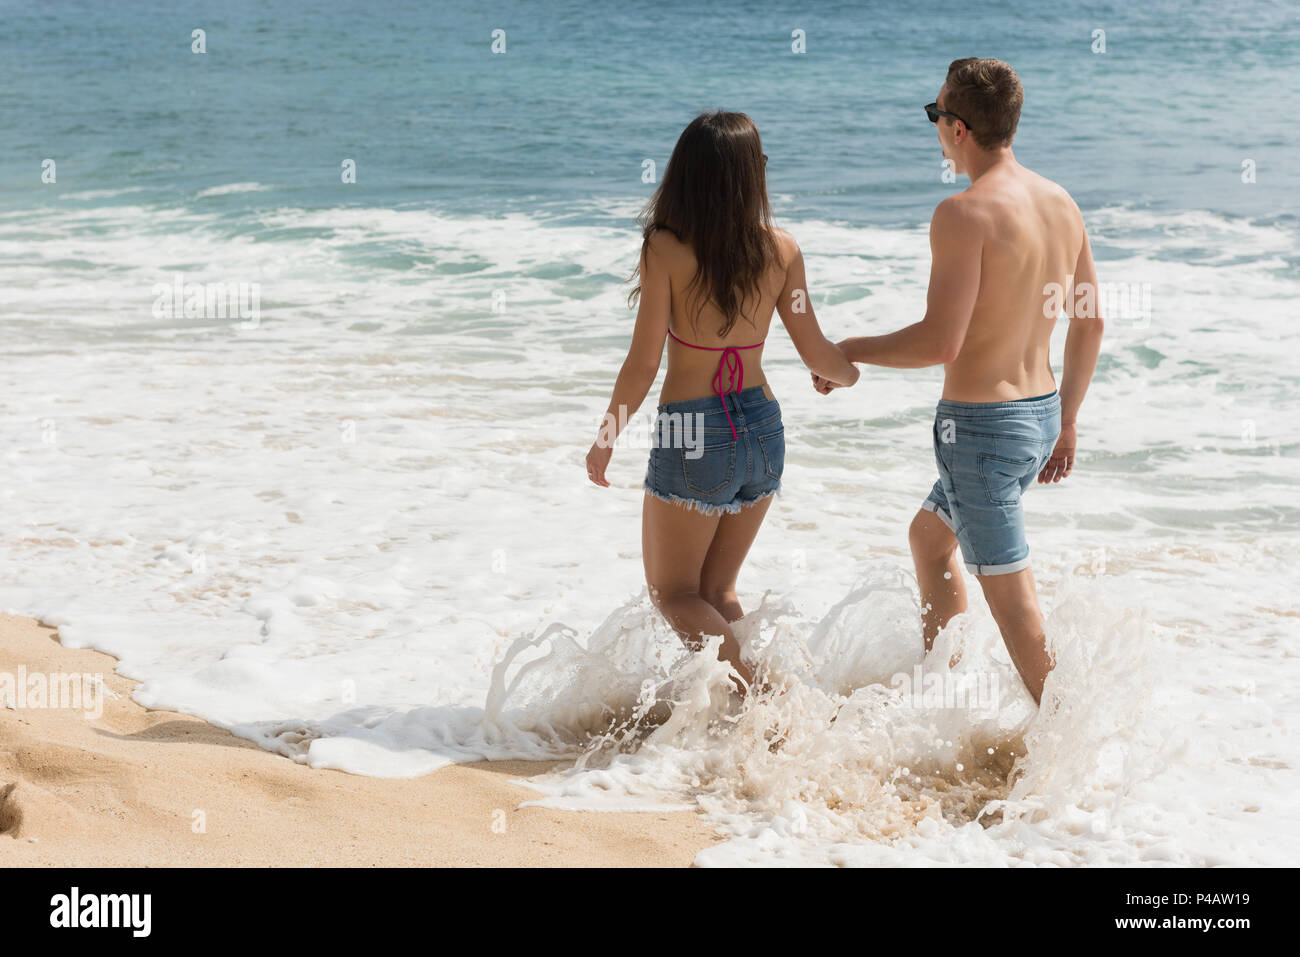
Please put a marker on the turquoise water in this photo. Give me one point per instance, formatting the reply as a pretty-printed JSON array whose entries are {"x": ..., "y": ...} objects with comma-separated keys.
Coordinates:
[{"x": 583, "y": 94}]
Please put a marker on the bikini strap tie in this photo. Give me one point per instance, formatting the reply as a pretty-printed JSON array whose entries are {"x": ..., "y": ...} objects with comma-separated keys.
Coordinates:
[{"x": 730, "y": 363}]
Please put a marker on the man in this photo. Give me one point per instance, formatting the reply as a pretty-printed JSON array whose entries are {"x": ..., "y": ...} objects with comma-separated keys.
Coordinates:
[{"x": 998, "y": 249}]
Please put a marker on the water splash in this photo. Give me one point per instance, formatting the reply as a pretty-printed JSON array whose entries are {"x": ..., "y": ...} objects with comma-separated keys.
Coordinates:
[{"x": 859, "y": 747}]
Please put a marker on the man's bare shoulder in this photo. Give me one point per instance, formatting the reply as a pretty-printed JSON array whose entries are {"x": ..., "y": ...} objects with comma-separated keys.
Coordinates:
[
  {"x": 1053, "y": 192},
  {"x": 961, "y": 214},
  {"x": 994, "y": 201}
]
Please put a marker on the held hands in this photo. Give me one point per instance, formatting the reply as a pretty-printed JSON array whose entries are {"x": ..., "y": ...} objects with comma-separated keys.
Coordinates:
[
  {"x": 824, "y": 386},
  {"x": 1061, "y": 464}
]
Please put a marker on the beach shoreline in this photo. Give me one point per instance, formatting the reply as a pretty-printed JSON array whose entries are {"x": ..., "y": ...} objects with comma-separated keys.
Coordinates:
[{"x": 132, "y": 787}]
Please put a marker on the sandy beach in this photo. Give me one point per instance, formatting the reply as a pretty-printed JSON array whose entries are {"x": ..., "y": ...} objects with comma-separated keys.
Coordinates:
[{"x": 157, "y": 788}]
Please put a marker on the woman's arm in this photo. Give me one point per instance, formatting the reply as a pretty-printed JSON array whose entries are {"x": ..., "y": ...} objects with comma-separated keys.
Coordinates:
[
  {"x": 641, "y": 366},
  {"x": 818, "y": 353}
]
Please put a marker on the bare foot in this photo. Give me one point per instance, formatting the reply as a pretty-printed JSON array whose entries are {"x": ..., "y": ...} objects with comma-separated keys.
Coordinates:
[{"x": 743, "y": 679}]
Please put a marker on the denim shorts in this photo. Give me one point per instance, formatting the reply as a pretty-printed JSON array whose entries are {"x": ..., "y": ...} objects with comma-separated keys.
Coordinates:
[
  {"x": 989, "y": 454},
  {"x": 695, "y": 461}
]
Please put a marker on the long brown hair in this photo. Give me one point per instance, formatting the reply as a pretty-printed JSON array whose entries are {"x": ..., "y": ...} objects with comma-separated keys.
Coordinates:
[{"x": 713, "y": 197}]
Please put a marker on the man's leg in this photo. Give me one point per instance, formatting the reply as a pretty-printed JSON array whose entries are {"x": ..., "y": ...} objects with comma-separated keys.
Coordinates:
[
  {"x": 1013, "y": 599},
  {"x": 938, "y": 573}
]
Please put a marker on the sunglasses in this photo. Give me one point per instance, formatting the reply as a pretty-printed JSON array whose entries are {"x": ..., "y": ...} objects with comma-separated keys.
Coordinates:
[{"x": 933, "y": 112}]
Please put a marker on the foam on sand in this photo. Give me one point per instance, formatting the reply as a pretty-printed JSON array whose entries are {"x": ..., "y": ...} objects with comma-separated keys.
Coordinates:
[{"x": 136, "y": 788}]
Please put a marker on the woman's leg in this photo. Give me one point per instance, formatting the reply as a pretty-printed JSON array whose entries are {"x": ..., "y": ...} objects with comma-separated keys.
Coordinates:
[
  {"x": 675, "y": 540},
  {"x": 731, "y": 542}
]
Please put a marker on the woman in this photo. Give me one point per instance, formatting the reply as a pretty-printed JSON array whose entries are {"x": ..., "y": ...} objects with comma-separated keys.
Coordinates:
[{"x": 712, "y": 270}]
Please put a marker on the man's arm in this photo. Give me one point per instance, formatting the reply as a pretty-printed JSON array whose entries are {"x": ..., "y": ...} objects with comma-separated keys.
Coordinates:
[
  {"x": 956, "y": 245},
  {"x": 1082, "y": 347}
]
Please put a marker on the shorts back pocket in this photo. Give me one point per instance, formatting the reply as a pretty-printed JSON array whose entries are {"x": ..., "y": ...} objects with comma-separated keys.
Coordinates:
[
  {"x": 773, "y": 448},
  {"x": 1004, "y": 477},
  {"x": 712, "y": 471}
]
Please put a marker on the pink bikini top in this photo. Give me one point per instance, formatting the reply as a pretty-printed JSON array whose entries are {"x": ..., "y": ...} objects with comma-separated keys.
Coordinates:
[{"x": 731, "y": 364}]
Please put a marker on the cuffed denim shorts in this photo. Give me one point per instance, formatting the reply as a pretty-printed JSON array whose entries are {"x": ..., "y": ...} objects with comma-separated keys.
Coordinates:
[
  {"x": 695, "y": 461},
  {"x": 989, "y": 454}
]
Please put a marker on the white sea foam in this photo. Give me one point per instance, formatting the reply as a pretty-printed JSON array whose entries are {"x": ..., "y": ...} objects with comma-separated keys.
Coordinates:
[
  {"x": 99, "y": 194},
  {"x": 359, "y": 534},
  {"x": 231, "y": 188}
]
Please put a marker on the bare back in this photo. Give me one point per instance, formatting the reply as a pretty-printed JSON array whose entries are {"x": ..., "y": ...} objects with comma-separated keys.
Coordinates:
[
  {"x": 1032, "y": 234},
  {"x": 691, "y": 371}
]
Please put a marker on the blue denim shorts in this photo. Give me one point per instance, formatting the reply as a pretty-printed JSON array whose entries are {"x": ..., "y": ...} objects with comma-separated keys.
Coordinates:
[
  {"x": 989, "y": 454},
  {"x": 695, "y": 461}
]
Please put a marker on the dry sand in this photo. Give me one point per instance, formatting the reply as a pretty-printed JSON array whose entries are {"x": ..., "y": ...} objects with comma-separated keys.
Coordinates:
[{"x": 124, "y": 789}]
